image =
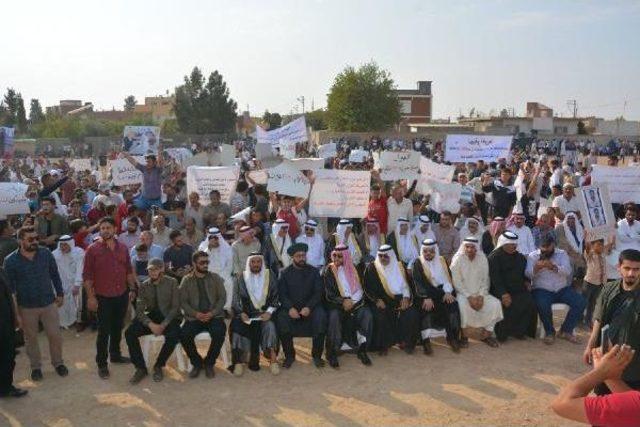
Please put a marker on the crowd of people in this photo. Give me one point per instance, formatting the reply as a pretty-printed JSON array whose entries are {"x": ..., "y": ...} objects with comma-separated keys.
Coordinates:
[{"x": 259, "y": 271}]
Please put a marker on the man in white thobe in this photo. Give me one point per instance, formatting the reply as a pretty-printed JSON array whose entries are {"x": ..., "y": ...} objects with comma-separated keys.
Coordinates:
[
  {"x": 70, "y": 261},
  {"x": 310, "y": 236},
  {"x": 526, "y": 244},
  {"x": 220, "y": 260}
]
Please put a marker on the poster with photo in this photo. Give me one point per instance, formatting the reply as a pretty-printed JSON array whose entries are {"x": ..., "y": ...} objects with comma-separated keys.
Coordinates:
[
  {"x": 596, "y": 211},
  {"x": 141, "y": 140}
]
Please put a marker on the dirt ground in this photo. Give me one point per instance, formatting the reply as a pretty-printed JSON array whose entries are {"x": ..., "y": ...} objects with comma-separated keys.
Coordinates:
[{"x": 509, "y": 386}]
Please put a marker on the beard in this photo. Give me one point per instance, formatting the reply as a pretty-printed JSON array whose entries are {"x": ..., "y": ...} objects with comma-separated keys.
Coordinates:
[
  {"x": 300, "y": 264},
  {"x": 31, "y": 247},
  {"x": 202, "y": 270}
]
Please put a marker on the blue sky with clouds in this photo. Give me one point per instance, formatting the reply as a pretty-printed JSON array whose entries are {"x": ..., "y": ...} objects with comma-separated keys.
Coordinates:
[{"x": 484, "y": 54}]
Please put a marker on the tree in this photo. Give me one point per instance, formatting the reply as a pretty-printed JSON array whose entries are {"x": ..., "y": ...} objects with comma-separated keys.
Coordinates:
[
  {"x": 582, "y": 128},
  {"x": 21, "y": 115},
  {"x": 36, "y": 115},
  {"x": 203, "y": 107},
  {"x": 130, "y": 103},
  {"x": 317, "y": 119},
  {"x": 362, "y": 100},
  {"x": 271, "y": 120}
]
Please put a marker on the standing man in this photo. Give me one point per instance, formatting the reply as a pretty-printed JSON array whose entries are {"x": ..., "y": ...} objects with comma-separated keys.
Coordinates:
[
  {"x": 157, "y": 313},
  {"x": 220, "y": 261},
  {"x": 202, "y": 298},
  {"x": 33, "y": 275},
  {"x": 8, "y": 242},
  {"x": 110, "y": 284},
  {"x": 315, "y": 242},
  {"x": 69, "y": 260},
  {"x": 151, "y": 180},
  {"x": 447, "y": 236},
  {"x": 49, "y": 224},
  {"x": 8, "y": 324}
]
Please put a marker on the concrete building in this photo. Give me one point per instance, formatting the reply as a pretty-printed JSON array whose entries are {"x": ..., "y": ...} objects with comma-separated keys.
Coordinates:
[
  {"x": 64, "y": 107},
  {"x": 535, "y": 109},
  {"x": 515, "y": 125},
  {"x": 416, "y": 104},
  {"x": 160, "y": 108},
  {"x": 618, "y": 127}
]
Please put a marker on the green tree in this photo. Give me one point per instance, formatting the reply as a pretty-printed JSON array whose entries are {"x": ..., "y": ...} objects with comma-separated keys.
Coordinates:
[
  {"x": 21, "y": 115},
  {"x": 11, "y": 101},
  {"x": 362, "y": 100},
  {"x": 204, "y": 106},
  {"x": 271, "y": 120},
  {"x": 130, "y": 103},
  {"x": 317, "y": 119},
  {"x": 36, "y": 115},
  {"x": 582, "y": 128}
]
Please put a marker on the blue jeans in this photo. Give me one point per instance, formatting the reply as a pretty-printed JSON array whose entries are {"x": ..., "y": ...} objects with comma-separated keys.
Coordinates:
[
  {"x": 567, "y": 295},
  {"x": 146, "y": 204}
]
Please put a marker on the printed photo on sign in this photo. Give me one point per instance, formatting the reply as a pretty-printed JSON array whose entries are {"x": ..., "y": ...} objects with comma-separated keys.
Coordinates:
[
  {"x": 597, "y": 213},
  {"x": 141, "y": 140}
]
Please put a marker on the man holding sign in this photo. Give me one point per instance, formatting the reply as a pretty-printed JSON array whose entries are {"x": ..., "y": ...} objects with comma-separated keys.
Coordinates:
[{"x": 151, "y": 180}]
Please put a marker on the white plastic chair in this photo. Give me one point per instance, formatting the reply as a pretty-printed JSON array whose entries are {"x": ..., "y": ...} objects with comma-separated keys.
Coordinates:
[
  {"x": 147, "y": 341},
  {"x": 202, "y": 336},
  {"x": 555, "y": 309}
]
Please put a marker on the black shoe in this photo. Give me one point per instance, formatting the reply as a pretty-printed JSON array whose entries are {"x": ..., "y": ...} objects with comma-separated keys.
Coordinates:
[
  {"x": 254, "y": 366},
  {"x": 103, "y": 373},
  {"x": 158, "y": 375},
  {"x": 120, "y": 360},
  {"x": 426, "y": 348},
  {"x": 491, "y": 342},
  {"x": 288, "y": 361},
  {"x": 14, "y": 392},
  {"x": 318, "y": 362},
  {"x": 455, "y": 346},
  {"x": 364, "y": 358},
  {"x": 464, "y": 342},
  {"x": 36, "y": 375},
  {"x": 138, "y": 376},
  {"x": 333, "y": 362},
  {"x": 62, "y": 370},
  {"x": 209, "y": 372},
  {"x": 195, "y": 372}
]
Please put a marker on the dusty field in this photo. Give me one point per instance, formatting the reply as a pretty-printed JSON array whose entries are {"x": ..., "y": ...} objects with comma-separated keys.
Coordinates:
[{"x": 508, "y": 386}]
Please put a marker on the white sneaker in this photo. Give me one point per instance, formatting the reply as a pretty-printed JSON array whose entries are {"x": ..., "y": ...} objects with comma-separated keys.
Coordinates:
[
  {"x": 238, "y": 370},
  {"x": 274, "y": 368}
]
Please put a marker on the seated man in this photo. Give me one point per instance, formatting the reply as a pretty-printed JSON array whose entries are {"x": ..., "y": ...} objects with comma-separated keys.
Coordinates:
[
  {"x": 396, "y": 319},
  {"x": 549, "y": 269},
  {"x": 157, "y": 313},
  {"x": 344, "y": 235},
  {"x": 371, "y": 239},
  {"x": 434, "y": 297},
  {"x": 510, "y": 285},
  {"x": 478, "y": 308},
  {"x": 276, "y": 246},
  {"x": 255, "y": 301},
  {"x": 315, "y": 242},
  {"x": 302, "y": 313},
  {"x": 349, "y": 314},
  {"x": 202, "y": 298},
  {"x": 402, "y": 243}
]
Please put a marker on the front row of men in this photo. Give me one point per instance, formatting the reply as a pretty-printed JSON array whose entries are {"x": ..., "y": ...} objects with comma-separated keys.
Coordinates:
[{"x": 390, "y": 305}]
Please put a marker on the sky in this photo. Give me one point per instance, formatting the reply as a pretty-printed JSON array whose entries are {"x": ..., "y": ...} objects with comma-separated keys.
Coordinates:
[{"x": 482, "y": 54}]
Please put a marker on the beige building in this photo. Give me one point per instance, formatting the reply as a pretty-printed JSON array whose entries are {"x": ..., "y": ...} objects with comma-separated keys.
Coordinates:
[{"x": 160, "y": 108}]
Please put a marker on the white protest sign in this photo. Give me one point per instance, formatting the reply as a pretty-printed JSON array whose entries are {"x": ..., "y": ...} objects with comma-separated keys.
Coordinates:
[
  {"x": 432, "y": 171},
  {"x": 141, "y": 140},
  {"x": 623, "y": 182},
  {"x": 340, "y": 194},
  {"x": 395, "y": 165},
  {"x": 287, "y": 149},
  {"x": 81, "y": 165},
  {"x": 264, "y": 151},
  {"x": 358, "y": 156},
  {"x": 227, "y": 155},
  {"x": 305, "y": 164},
  {"x": 204, "y": 179},
  {"x": 259, "y": 177},
  {"x": 124, "y": 173},
  {"x": 471, "y": 148},
  {"x": 445, "y": 197},
  {"x": 295, "y": 131},
  {"x": 287, "y": 181},
  {"x": 328, "y": 151},
  {"x": 13, "y": 199},
  {"x": 180, "y": 154},
  {"x": 596, "y": 212},
  {"x": 200, "y": 159}
]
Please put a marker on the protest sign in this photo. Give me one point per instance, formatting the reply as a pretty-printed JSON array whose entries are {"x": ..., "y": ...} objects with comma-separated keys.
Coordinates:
[
  {"x": 287, "y": 149},
  {"x": 596, "y": 212},
  {"x": 340, "y": 194},
  {"x": 328, "y": 151},
  {"x": 395, "y": 165},
  {"x": 445, "y": 197},
  {"x": 265, "y": 151},
  {"x": 204, "y": 179},
  {"x": 179, "y": 154},
  {"x": 292, "y": 132},
  {"x": 13, "y": 199},
  {"x": 287, "y": 181},
  {"x": 432, "y": 171},
  {"x": 259, "y": 177},
  {"x": 200, "y": 159},
  {"x": 305, "y": 164},
  {"x": 227, "y": 155},
  {"x": 623, "y": 182},
  {"x": 358, "y": 156},
  {"x": 81, "y": 165},
  {"x": 141, "y": 140},
  {"x": 124, "y": 173},
  {"x": 471, "y": 148}
]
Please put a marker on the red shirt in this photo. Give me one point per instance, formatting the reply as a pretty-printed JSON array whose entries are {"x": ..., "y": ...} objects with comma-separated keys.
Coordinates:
[
  {"x": 80, "y": 239},
  {"x": 292, "y": 220},
  {"x": 378, "y": 210},
  {"x": 107, "y": 268},
  {"x": 94, "y": 215},
  {"x": 121, "y": 214},
  {"x": 619, "y": 409}
]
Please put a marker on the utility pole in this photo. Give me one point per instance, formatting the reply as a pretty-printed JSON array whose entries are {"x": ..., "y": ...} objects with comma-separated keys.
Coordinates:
[
  {"x": 301, "y": 100},
  {"x": 573, "y": 106},
  {"x": 312, "y": 107}
]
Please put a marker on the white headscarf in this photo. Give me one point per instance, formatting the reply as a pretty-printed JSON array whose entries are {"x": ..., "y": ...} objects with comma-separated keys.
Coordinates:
[
  {"x": 255, "y": 282},
  {"x": 575, "y": 245},
  {"x": 460, "y": 252},
  {"x": 406, "y": 248},
  {"x": 281, "y": 245},
  {"x": 396, "y": 280},
  {"x": 417, "y": 233},
  {"x": 439, "y": 275},
  {"x": 220, "y": 256},
  {"x": 507, "y": 237},
  {"x": 465, "y": 232},
  {"x": 341, "y": 230},
  {"x": 69, "y": 264},
  {"x": 315, "y": 254}
]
